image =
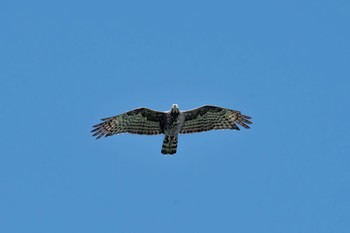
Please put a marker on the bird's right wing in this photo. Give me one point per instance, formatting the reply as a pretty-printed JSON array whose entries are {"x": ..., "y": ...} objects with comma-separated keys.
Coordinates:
[
  {"x": 143, "y": 121},
  {"x": 210, "y": 117}
]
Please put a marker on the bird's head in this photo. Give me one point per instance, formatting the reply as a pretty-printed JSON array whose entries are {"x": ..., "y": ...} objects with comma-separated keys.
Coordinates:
[{"x": 174, "y": 108}]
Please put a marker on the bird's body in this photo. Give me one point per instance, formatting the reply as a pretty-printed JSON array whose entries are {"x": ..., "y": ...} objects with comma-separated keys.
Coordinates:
[
  {"x": 174, "y": 120},
  {"x": 146, "y": 121}
]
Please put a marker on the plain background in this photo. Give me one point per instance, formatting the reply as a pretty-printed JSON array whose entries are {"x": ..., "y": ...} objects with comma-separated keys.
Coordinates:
[{"x": 66, "y": 64}]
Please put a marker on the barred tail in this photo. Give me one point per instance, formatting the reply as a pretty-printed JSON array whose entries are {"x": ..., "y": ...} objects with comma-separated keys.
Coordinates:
[{"x": 169, "y": 145}]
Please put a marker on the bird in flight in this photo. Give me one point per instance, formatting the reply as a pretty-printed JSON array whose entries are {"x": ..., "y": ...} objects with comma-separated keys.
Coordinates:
[{"x": 145, "y": 121}]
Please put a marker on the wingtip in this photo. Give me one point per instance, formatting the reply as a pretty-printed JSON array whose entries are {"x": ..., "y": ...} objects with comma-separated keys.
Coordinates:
[{"x": 99, "y": 136}]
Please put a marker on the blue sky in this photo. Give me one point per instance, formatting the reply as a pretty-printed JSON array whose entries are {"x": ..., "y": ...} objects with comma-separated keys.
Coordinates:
[{"x": 66, "y": 64}]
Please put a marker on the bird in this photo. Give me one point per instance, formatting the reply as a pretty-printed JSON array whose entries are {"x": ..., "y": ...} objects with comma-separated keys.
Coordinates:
[{"x": 145, "y": 121}]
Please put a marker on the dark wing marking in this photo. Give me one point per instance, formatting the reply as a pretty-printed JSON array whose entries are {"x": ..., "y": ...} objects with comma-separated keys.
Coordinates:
[
  {"x": 210, "y": 117},
  {"x": 139, "y": 121}
]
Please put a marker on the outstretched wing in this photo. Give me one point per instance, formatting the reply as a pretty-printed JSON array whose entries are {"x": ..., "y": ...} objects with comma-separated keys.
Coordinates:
[
  {"x": 139, "y": 121},
  {"x": 210, "y": 117}
]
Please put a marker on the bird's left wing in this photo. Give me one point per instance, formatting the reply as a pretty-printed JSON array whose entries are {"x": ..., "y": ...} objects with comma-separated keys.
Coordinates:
[
  {"x": 210, "y": 117},
  {"x": 143, "y": 121}
]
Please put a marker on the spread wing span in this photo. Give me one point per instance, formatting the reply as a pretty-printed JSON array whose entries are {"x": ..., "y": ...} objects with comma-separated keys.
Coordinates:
[
  {"x": 210, "y": 117},
  {"x": 143, "y": 121}
]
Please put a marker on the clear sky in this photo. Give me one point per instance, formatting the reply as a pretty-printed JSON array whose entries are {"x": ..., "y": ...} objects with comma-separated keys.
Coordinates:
[{"x": 66, "y": 64}]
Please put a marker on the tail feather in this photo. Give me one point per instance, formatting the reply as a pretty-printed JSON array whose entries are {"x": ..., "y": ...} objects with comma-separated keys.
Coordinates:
[{"x": 169, "y": 145}]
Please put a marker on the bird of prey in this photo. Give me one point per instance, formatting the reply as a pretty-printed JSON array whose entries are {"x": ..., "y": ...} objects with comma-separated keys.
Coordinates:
[{"x": 146, "y": 121}]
